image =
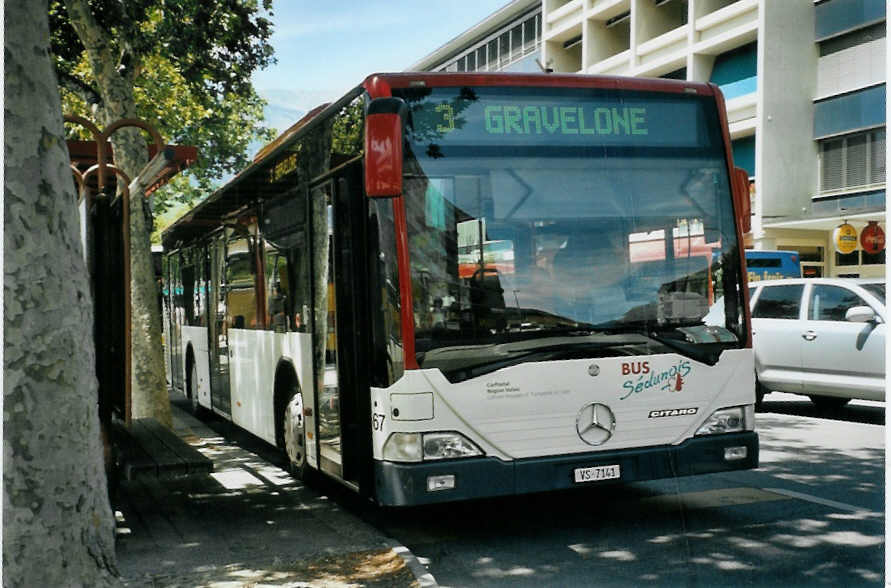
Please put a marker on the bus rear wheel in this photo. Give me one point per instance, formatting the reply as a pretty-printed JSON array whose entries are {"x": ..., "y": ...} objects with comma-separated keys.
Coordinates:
[
  {"x": 294, "y": 436},
  {"x": 193, "y": 390}
]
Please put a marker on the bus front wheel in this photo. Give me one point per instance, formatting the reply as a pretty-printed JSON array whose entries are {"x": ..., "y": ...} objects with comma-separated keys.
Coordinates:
[{"x": 294, "y": 435}]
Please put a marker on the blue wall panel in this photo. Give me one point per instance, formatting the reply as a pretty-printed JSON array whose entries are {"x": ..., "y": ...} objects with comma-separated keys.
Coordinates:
[
  {"x": 740, "y": 87},
  {"x": 738, "y": 64},
  {"x": 744, "y": 154},
  {"x": 850, "y": 112},
  {"x": 838, "y": 16}
]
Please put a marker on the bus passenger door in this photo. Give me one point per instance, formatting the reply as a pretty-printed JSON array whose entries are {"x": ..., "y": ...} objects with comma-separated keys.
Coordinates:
[
  {"x": 325, "y": 320},
  {"x": 343, "y": 398},
  {"x": 353, "y": 345},
  {"x": 218, "y": 344}
]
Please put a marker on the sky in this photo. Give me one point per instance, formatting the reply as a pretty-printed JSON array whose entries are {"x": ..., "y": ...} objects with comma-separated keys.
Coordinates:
[{"x": 326, "y": 48}]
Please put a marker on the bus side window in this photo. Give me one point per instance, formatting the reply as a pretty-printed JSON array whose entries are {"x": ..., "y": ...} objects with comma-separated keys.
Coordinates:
[
  {"x": 278, "y": 292},
  {"x": 241, "y": 295}
]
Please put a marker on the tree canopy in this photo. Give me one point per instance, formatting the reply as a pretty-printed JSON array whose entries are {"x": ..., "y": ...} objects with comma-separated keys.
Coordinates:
[
  {"x": 183, "y": 66},
  {"x": 189, "y": 63}
]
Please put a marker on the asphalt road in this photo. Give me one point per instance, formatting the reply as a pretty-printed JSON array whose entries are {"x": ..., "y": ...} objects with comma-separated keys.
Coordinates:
[{"x": 812, "y": 514}]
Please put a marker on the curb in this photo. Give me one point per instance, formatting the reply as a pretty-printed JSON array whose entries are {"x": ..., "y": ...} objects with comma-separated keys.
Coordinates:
[{"x": 422, "y": 575}]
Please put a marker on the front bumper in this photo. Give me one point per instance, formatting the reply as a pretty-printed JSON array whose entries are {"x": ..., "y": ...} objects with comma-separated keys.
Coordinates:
[{"x": 400, "y": 484}]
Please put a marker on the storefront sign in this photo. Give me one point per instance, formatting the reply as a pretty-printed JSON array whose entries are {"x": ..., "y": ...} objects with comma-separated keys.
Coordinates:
[
  {"x": 845, "y": 239},
  {"x": 872, "y": 239}
]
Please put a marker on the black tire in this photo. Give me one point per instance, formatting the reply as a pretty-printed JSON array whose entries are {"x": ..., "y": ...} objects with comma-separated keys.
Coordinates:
[
  {"x": 293, "y": 435},
  {"x": 192, "y": 391},
  {"x": 829, "y": 402}
]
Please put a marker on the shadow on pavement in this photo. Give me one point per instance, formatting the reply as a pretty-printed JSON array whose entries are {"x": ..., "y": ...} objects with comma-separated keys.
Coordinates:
[{"x": 870, "y": 413}]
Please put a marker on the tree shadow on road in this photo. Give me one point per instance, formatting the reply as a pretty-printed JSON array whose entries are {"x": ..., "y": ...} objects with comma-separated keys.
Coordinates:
[
  {"x": 717, "y": 529},
  {"x": 854, "y": 412}
]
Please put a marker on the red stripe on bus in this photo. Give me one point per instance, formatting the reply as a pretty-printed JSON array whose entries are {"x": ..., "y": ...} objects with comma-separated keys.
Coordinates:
[
  {"x": 403, "y": 262},
  {"x": 725, "y": 130},
  {"x": 380, "y": 84}
]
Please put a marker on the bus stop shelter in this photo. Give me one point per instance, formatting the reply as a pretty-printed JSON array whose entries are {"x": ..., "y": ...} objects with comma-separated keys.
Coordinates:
[{"x": 104, "y": 194}]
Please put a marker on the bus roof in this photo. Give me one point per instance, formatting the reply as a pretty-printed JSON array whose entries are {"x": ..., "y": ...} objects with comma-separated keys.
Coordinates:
[
  {"x": 378, "y": 84},
  {"x": 235, "y": 196}
]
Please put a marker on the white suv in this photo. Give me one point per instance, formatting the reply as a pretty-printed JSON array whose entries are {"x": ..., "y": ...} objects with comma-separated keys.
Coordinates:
[{"x": 823, "y": 337}]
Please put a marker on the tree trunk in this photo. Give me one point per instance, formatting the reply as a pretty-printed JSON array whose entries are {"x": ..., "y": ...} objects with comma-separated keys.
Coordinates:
[
  {"x": 148, "y": 385},
  {"x": 58, "y": 525}
]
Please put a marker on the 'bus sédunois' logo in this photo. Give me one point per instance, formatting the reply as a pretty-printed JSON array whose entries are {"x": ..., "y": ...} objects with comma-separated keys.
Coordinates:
[{"x": 671, "y": 379}]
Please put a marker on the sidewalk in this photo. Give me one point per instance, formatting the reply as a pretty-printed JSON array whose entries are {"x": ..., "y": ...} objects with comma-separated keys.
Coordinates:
[{"x": 248, "y": 524}]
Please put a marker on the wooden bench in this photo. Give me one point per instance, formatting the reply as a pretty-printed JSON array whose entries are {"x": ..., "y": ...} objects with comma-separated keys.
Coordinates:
[{"x": 148, "y": 449}]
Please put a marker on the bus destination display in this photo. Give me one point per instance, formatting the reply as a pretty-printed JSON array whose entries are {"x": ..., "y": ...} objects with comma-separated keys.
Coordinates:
[{"x": 448, "y": 117}]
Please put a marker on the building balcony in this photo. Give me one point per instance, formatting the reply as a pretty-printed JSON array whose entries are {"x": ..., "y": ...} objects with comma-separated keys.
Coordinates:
[
  {"x": 742, "y": 111},
  {"x": 559, "y": 15},
  {"x": 616, "y": 65},
  {"x": 726, "y": 28},
  {"x": 607, "y": 9},
  {"x": 663, "y": 54}
]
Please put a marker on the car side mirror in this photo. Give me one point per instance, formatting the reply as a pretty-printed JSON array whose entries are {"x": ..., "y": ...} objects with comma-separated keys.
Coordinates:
[{"x": 860, "y": 314}]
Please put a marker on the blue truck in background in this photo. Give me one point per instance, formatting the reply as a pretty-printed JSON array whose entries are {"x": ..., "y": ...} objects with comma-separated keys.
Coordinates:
[{"x": 772, "y": 265}]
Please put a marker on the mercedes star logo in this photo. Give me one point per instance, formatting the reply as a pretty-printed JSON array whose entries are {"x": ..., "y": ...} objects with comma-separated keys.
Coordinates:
[{"x": 595, "y": 423}]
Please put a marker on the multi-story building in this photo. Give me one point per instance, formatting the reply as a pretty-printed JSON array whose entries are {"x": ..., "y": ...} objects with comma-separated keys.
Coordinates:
[
  {"x": 804, "y": 83},
  {"x": 508, "y": 40}
]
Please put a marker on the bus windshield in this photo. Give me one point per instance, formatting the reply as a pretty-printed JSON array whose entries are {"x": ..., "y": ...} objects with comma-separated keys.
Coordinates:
[{"x": 554, "y": 223}]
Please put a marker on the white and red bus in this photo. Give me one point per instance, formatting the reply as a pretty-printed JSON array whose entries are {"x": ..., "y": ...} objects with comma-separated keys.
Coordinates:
[{"x": 451, "y": 286}]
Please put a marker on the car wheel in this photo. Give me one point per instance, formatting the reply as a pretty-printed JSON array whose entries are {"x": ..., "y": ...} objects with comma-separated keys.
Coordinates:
[
  {"x": 829, "y": 402},
  {"x": 294, "y": 436}
]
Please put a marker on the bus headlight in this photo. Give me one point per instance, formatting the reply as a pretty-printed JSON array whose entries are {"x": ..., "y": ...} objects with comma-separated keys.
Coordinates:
[
  {"x": 403, "y": 447},
  {"x": 414, "y": 447},
  {"x": 727, "y": 420},
  {"x": 449, "y": 445}
]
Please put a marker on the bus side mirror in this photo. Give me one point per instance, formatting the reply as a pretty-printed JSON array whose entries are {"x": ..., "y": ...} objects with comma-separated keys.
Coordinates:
[
  {"x": 383, "y": 147},
  {"x": 741, "y": 201}
]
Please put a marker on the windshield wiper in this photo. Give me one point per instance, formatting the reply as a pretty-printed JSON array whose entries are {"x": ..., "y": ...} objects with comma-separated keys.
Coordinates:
[
  {"x": 705, "y": 352},
  {"x": 462, "y": 364},
  {"x": 558, "y": 351}
]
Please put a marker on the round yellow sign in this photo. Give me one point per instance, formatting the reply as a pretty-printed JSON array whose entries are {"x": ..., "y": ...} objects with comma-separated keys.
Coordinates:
[{"x": 845, "y": 238}]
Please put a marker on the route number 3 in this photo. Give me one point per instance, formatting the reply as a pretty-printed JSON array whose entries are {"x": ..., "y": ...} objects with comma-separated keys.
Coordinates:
[{"x": 448, "y": 117}]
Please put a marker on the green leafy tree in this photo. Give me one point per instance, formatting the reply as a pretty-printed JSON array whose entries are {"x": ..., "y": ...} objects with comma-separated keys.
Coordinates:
[{"x": 184, "y": 66}]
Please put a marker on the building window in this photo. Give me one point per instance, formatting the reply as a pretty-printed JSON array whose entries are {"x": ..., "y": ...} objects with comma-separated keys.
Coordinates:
[
  {"x": 860, "y": 257},
  {"x": 852, "y": 161},
  {"x": 529, "y": 35},
  {"x": 852, "y": 39},
  {"x": 493, "y": 55},
  {"x": 502, "y": 48},
  {"x": 872, "y": 258},
  {"x": 852, "y": 258}
]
